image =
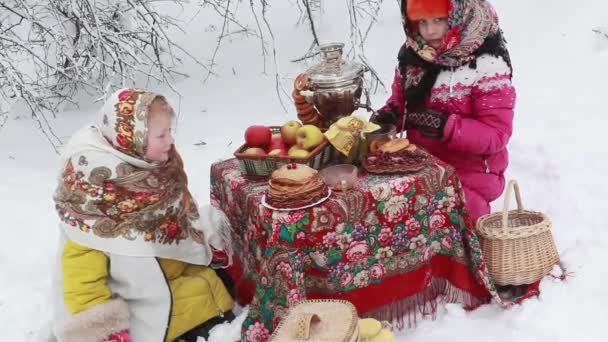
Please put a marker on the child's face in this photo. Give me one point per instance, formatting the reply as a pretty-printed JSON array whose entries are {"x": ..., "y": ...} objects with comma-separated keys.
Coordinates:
[
  {"x": 433, "y": 30},
  {"x": 159, "y": 138}
]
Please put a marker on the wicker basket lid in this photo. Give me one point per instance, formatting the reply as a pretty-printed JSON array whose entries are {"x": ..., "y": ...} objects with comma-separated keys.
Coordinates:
[{"x": 319, "y": 320}]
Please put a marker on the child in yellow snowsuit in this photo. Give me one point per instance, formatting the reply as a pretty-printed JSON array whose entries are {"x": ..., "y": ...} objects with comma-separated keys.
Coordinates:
[{"x": 135, "y": 251}]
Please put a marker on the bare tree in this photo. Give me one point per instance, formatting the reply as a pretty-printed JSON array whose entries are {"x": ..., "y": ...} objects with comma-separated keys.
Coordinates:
[
  {"x": 18, "y": 54},
  {"x": 228, "y": 9},
  {"x": 601, "y": 31},
  {"x": 3, "y": 118},
  {"x": 362, "y": 14},
  {"x": 50, "y": 50}
]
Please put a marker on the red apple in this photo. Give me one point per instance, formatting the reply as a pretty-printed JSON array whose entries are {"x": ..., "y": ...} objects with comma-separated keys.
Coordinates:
[
  {"x": 254, "y": 151},
  {"x": 308, "y": 137},
  {"x": 276, "y": 143},
  {"x": 257, "y": 136},
  {"x": 288, "y": 132}
]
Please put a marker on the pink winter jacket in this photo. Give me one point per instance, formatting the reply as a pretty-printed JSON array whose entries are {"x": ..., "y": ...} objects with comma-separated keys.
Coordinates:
[{"x": 480, "y": 104}]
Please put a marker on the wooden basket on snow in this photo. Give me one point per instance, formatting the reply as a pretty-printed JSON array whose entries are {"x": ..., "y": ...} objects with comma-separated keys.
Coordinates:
[
  {"x": 319, "y": 320},
  {"x": 263, "y": 166},
  {"x": 517, "y": 245}
]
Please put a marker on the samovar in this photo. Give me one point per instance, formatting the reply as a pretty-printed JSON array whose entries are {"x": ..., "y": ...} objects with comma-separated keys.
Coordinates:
[{"x": 335, "y": 85}]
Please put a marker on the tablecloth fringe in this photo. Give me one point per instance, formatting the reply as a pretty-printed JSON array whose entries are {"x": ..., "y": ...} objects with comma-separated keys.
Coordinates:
[{"x": 405, "y": 313}]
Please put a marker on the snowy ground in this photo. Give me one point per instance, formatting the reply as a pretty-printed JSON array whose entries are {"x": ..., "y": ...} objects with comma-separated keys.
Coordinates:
[{"x": 557, "y": 155}]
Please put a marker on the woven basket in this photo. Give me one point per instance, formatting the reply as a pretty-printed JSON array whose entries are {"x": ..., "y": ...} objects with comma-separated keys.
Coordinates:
[
  {"x": 517, "y": 244},
  {"x": 264, "y": 165},
  {"x": 319, "y": 320}
]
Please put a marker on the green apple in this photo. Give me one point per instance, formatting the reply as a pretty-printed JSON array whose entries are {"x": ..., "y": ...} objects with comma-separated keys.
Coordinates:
[
  {"x": 308, "y": 137},
  {"x": 292, "y": 148},
  {"x": 288, "y": 132},
  {"x": 254, "y": 151},
  {"x": 296, "y": 152}
]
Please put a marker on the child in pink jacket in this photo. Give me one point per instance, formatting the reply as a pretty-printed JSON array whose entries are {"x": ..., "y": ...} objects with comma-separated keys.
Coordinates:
[{"x": 452, "y": 92}]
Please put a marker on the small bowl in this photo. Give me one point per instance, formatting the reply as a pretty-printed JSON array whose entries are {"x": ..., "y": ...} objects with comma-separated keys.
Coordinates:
[
  {"x": 341, "y": 177},
  {"x": 385, "y": 132}
]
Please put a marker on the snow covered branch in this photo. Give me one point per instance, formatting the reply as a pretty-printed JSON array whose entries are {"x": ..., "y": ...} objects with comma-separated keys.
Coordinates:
[
  {"x": 50, "y": 50},
  {"x": 362, "y": 15},
  {"x": 602, "y": 32}
]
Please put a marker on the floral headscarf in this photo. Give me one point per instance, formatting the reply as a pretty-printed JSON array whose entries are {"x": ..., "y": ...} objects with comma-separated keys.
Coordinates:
[
  {"x": 470, "y": 22},
  {"x": 110, "y": 198},
  {"x": 472, "y": 28}
]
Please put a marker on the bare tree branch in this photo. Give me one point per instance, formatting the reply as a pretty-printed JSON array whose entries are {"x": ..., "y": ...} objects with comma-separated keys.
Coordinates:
[
  {"x": 308, "y": 55},
  {"x": 262, "y": 42},
  {"x": 278, "y": 85},
  {"x": 359, "y": 12},
  {"x": 52, "y": 50},
  {"x": 311, "y": 21},
  {"x": 601, "y": 32},
  {"x": 220, "y": 38},
  {"x": 375, "y": 78},
  {"x": 3, "y": 116}
]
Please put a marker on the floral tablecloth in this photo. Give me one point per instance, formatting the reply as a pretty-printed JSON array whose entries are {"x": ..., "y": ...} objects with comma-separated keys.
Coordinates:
[{"x": 391, "y": 246}]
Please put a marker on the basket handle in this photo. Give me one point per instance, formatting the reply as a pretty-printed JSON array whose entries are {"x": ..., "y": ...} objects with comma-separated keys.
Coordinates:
[{"x": 505, "y": 208}]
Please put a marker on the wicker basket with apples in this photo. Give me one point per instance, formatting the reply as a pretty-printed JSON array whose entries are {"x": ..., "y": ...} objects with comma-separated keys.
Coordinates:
[{"x": 268, "y": 148}]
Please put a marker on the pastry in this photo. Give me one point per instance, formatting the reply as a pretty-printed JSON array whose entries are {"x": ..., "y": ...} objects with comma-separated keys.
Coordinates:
[
  {"x": 307, "y": 113},
  {"x": 301, "y": 82},
  {"x": 302, "y": 108},
  {"x": 374, "y": 145},
  {"x": 408, "y": 159},
  {"x": 294, "y": 186},
  {"x": 297, "y": 98},
  {"x": 394, "y": 145}
]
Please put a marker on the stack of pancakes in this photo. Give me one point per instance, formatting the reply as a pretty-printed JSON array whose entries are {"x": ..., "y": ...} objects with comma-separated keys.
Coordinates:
[{"x": 294, "y": 186}]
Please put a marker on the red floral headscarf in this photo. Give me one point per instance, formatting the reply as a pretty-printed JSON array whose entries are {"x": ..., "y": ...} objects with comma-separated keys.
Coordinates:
[
  {"x": 110, "y": 198},
  {"x": 470, "y": 23}
]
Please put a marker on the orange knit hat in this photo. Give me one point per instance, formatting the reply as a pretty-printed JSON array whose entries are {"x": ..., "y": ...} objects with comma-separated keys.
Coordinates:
[{"x": 418, "y": 9}]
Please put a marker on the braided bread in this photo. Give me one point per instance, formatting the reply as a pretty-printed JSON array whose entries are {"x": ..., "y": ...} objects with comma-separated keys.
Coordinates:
[{"x": 307, "y": 113}]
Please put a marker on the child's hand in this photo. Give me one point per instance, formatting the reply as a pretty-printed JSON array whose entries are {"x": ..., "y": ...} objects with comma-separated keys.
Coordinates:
[
  {"x": 220, "y": 258},
  {"x": 429, "y": 122},
  {"x": 385, "y": 116},
  {"x": 122, "y": 336}
]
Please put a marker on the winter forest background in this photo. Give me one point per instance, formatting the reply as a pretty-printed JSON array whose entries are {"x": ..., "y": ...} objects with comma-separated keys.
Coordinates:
[
  {"x": 227, "y": 64},
  {"x": 54, "y": 52}
]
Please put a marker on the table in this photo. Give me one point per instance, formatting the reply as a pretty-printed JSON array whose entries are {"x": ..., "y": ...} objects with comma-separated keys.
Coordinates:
[{"x": 392, "y": 246}]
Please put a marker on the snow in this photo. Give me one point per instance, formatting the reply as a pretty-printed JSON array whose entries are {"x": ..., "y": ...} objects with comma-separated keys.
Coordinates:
[{"x": 557, "y": 155}]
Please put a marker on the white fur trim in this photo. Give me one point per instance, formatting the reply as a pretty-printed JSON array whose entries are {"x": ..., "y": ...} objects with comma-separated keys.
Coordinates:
[{"x": 94, "y": 324}]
